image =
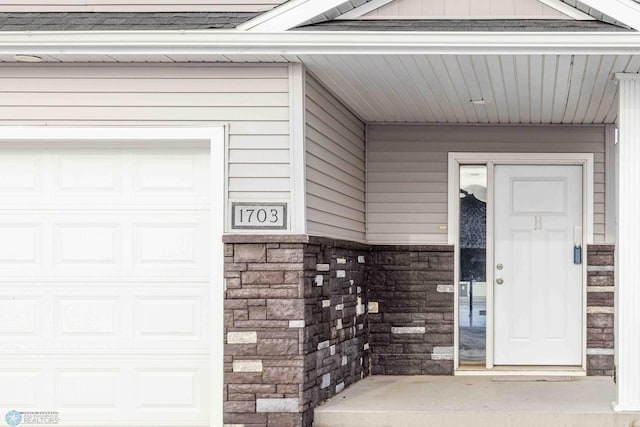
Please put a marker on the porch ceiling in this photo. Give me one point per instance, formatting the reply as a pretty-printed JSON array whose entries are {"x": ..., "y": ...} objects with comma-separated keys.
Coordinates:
[{"x": 439, "y": 88}]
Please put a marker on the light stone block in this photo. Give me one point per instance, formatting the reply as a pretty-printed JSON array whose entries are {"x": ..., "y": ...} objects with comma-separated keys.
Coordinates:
[
  {"x": 339, "y": 307},
  {"x": 326, "y": 381},
  {"x": 600, "y": 351},
  {"x": 445, "y": 288},
  {"x": 344, "y": 360},
  {"x": 276, "y": 405},
  {"x": 332, "y": 350},
  {"x": 296, "y": 323},
  {"x": 366, "y": 346},
  {"x": 323, "y": 345},
  {"x": 408, "y": 330},
  {"x": 322, "y": 267},
  {"x": 442, "y": 353},
  {"x": 359, "y": 306},
  {"x": 247, "y": 366},
  {"x": 339, "y": 387},
  {"x": 319, "y": 280},
  {"x": 373, "y": 307},
  {"x": 601, "y": 310},
  {"x": 600, "y": 268},
  {"x": 361, "y": 259},
  {"x": 341, "y": 260},
  {"x": 341, "y": 274},
  {"x": 326, "y": 303},
  {"x": 242, "y": 337},
  {"x": 339, "y": 324}
]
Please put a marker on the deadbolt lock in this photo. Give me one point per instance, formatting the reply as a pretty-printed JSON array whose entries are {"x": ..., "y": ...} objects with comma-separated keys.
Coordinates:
[
  {"x": 499, "y": 281},
  {"x": 499, "y": 266}
]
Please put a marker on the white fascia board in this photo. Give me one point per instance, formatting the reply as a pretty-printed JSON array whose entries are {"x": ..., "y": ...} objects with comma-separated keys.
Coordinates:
[
  {"x": 625, "y": 11},
  {"x": 568, "y": 10},
  {"x": 289, "y": 15},
  {"x": 140, "y": 43},
  {"x": 369, "y": 6}
]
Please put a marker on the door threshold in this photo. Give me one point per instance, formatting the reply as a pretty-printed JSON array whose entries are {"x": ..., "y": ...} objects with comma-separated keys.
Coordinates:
[{"x": 572, "y": 371}]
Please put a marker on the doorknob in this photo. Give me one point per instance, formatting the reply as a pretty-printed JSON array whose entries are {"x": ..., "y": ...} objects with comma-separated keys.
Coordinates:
[
  {"x": 499, "y": 281},
  {"x": 499, "y": 266}
]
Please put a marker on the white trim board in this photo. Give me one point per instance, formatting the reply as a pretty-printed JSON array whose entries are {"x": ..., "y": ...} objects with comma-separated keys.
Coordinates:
[
  {"x": 625, "y": 11},
  {"x": 215, "y": 137},
  {"x": 289, "y": 15},
  {"x": 138, "y": 44}
]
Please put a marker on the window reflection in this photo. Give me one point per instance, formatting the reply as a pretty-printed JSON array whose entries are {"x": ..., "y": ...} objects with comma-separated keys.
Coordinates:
[{"x": 473, "y": 250}]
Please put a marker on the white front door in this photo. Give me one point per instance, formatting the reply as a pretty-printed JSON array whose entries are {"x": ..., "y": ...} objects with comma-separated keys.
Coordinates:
[{"x": 538, "y": 283}]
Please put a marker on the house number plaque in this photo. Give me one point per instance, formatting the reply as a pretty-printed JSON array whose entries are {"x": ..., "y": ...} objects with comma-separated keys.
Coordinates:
[{"x": 259, "y": 216}]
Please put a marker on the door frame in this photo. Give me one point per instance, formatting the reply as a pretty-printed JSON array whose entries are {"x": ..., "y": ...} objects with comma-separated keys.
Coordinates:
[
  {"x": 215, "y": 137},
  {"x": 490, "y": 160}
]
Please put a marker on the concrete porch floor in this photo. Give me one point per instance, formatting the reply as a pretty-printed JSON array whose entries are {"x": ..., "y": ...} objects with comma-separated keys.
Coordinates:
[{"x": 430, "y": 401}]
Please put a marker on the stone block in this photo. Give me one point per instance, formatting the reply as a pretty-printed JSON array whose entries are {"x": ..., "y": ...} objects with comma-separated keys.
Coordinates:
[
  {"x": 252, "y": 388},
  {"x": 276, "y": 405},
  {"x": 442, "y": 353},
  {"x": 262, "y": 278},
  {"x": 408, "y": 330},
  {"x": 247, "y": 366},
  {"x": 277, "y": 347},
  {"x": 242, "y": 337},
  {"x": 296, "y": 323},
  {"x": 285, "y": 420},
  {"x": 285, "y": 255},
  {"x": 288, "y": 309},
  {"x": 282, "y": 375},
  {"x": 249, "y": 253},
  {"x": 326, "y": 381},
  {"x": 600, "y": 320},
  {"x": 240, "y": 406},
  {"x": 258, "y": 312}
]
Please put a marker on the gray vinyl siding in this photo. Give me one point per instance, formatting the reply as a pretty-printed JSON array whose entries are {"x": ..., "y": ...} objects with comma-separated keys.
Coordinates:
[
  {"x": 252, "y": 100},
  {"x": 335, "y": 169},
  {"x": 407, "y": 180}
]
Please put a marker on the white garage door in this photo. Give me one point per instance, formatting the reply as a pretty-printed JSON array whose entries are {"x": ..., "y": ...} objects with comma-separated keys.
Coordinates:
[{"x": 104, "y": 270}]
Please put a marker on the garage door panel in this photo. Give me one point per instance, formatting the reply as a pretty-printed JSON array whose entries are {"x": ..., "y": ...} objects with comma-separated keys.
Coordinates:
[
  {"x": 28, "y": 388},
  {"x": 134, "y": 388},
  {"x": 131, "y": 318},
  {"x": 113, "y": 244},
  {"x": 20, "y": 243},
  {"x": 22, "y": 173},
  {"x": 103, "y": 178}
]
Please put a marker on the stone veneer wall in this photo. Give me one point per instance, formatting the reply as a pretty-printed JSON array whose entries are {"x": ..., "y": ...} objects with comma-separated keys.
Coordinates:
[
  {"x": 264, "y": 320},
  {"x": 600, "y": 309},
  {"x": 295, "y": 330},
  {"x": 411, "y": 310},
  {"x": 336, "y": 340},
  {"x": 306, "y": 317}
]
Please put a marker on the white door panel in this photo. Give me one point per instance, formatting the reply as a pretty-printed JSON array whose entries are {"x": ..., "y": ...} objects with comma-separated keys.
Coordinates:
[
  {"x": 538, "y": 308},
  {"x": 105, "y": 273}
]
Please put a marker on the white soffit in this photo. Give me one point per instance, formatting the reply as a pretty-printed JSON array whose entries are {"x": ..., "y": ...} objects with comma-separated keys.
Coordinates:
[{"x": 439, "y": 88}]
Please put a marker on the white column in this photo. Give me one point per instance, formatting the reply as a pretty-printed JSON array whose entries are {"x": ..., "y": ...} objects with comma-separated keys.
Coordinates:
[{"x": 628, "y": 246}]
